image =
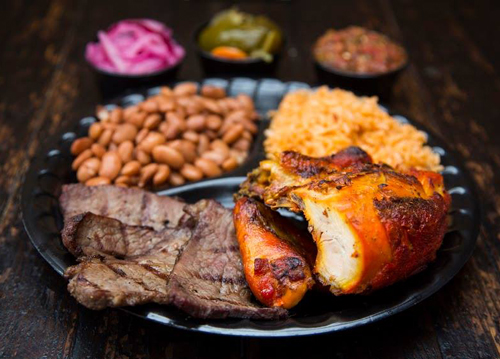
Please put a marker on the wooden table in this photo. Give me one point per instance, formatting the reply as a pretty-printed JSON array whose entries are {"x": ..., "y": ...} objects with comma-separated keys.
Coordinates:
[{"x": 452, "y": 85}]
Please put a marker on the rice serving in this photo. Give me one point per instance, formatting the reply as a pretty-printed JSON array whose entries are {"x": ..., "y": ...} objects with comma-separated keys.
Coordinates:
[{"x": 322, "y": 122}]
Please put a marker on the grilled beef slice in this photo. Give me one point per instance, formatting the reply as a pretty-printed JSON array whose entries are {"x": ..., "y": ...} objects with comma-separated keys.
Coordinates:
[
  {"x": 208, "y": 279},
  {"x": 130, "y": 206},
  {"x": 120, "y": 264}
]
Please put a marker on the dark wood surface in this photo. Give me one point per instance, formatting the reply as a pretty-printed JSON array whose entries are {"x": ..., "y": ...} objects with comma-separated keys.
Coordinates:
[{"x": 452, "y": 85}]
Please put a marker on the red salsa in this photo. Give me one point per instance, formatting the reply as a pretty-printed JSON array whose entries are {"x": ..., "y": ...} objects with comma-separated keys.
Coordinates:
[{"x": 356, "y": 49}]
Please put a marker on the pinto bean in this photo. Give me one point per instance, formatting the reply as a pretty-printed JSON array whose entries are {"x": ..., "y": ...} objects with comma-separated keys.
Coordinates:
[
  {"x": 229, "y": 164},
  {"x": 82, "y": 157},
  {"x": 152, "y": 121},
  {"x": 102, "y": 113},
  {"x": 212, "y": 135},
  {"x": 179, "y": 111},
  {"x": 123, "y": 179},
  {"x": 203, "y": 143},
  {"x": 172, "y": 131},
  {"x": 109, "y": 125},
  {"x": 247, "y": 136},
  {"x": 191, "y": 136},
  {"x": 191, "y": 172},
  {"x": 97, "y": 181},
  {"x": 213, "y": 91},
  {"x": 208, "y": 167},
  {"x": 95, "y": 130},
  {"x": 129, "y": 111},
  {"x": 137, "y": 119},
  {"x": 168, "y": 155},
  {"x": 166, "y": 91},
  {"x": 245, "y": 101},
  {"x": 233, "y": 104},
  {"x": 88, "y": 169},
  {"x": 111, "y": 165},
  {"x": 141, "y": 135},
  {"x": 105, "y": 138},
  {"x": 142, "y": 157},
  {"x": 185, "y": 89},
  {"x": 187, "y": 148},
  {"x": 176, "y": 125},
  {"x": 213, "y": 122},
  {"x": 242, "y": 144},
  {"x": 152, "y": 139},
  {"x": 190, "y": 105},
  {"x": 223, "y": 106},
  {"x": 250, "y": 126},
  {"x": 196, "y": 122},
  {"x": 149, "y": 106},
  {"x": 131, "y": 168},
  {"x": 236, "y": 116},
  {"x": 124, "y": 132},
  {"x": 220, "y": 146},
  {"x": 83, "y": 174},
  {"x": 233, "y": 133},
  {"x": 166, "y": 104},
  {"x": 176, "y": 179},
  {"x": 210, "y": 105},
  {"x": 161, "y": 175},
  {"x": 239, "y": 156},
  {"x": 125, "y": 151},
  {"x": 214, "y": 156},
  {"x": 116, "y": 115},
  {"x": 98, "y": 150},
  {"x": 147, "y": 173},
  {"x": 80, "y": 144}
]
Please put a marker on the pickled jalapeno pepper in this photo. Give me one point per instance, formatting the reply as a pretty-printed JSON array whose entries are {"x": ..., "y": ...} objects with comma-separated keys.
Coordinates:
[{"x": 237, "y": 35}]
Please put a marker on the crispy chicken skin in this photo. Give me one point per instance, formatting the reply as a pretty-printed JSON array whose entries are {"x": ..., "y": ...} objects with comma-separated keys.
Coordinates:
[
  {"x": 372, "y": 226},
  {"x": 277, "y": 256}
]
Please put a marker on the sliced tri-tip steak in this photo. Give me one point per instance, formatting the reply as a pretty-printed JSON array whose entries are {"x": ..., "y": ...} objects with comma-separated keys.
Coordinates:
[
  {"x": 129, "y": 205},
  {"x": 120, "y": 264},
  {"x": 208, "y": 279}
]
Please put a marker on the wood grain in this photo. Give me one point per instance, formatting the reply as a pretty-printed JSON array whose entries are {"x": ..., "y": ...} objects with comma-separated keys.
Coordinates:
[{"x": 452, "y": 85}]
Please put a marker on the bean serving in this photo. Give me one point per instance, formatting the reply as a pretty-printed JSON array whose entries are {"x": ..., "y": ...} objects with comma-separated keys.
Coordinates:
[{"x": 177, "y": 136}]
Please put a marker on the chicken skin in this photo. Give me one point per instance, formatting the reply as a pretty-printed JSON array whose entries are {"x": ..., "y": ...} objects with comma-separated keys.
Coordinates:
[
  {"x": 277, "y": 256},
  {"x": 372, "y": 226}
]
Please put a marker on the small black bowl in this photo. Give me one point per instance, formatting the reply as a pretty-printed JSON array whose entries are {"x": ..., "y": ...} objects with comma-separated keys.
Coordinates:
[
  {"x": 214, "y": 65},
  {"x": 363, "y": 84},
  {"x": 112, "y": 84}
]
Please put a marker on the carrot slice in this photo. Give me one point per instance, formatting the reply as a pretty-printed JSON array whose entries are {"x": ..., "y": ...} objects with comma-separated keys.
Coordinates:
[{"x": 229, "y": 52}]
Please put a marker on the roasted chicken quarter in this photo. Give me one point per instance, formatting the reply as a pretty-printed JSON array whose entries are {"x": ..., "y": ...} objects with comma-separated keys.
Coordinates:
[{"x": 372, "y": 225}]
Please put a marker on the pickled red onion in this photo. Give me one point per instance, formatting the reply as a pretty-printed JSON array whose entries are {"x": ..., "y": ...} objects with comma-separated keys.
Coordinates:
[{"x": 135, "y": 47}]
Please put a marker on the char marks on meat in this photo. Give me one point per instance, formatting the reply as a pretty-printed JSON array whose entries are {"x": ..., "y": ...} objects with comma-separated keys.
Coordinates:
[
  {"x": 98, "y": 283},
  {"x": 120, "y": 264},
  {"x": 208, "y": 280},
  {"x": 131, "y": 206}
]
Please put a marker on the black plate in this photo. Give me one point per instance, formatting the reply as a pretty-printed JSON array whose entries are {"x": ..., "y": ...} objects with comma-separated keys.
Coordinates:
[{"x": 316, "y": 313}]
